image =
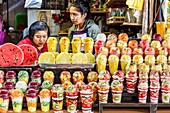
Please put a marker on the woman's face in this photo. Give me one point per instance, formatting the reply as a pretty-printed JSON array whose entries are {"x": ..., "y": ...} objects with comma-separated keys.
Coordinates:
[
  {"x": 76, "y": 17},
  {"x": 40, "y": 38}
]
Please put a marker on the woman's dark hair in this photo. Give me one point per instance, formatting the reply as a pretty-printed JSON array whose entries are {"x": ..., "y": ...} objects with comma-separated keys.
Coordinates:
[
  {"x": 83, "y": 6},
  {"x": 38, "y": 26}
]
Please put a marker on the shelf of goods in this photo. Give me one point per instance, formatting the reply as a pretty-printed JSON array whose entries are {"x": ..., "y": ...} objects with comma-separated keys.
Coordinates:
[{"x": 115, "y": 19}]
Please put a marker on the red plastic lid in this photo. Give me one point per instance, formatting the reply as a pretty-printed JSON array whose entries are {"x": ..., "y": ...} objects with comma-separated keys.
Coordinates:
[
  {"x": 36, "y": 74},
  {"x": 4, "y": 93},
  {"x": 31, "y": 93},
  {"x": 34, "y": 84},
  {"x": 11, "y": 74},
  {"x": 8, "y": 85}
]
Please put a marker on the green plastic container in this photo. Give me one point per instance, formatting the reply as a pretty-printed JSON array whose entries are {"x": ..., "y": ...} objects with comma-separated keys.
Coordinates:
[{"x": 20, "y": 21}]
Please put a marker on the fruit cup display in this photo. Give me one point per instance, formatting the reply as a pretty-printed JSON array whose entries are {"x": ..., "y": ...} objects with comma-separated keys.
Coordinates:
[
  {"x": 11, "y": 76},
  {"x": 121, "y": 44},
  {"x": 117, "y": 89},
  {"x": 137, "y": 51},
  {"x": 49, "y": 75},
  {"x": 2, "y": 74},
  {"x": 142, "y": 91},
  {"x": 101, "y": 62},
  {"x": 98, "y": 45},
  {"x": 113, "y": 61},
  {"x": 154, "y": 75},
  {"x": 93, "y": 85},
  {"x": 125, "y": 61},
  {"x": 17, "y": 100},
  {"x": 156, "y": 67},
  {"x": 104, "y": 51},
  {"x": 165, "y": 75},
  {"x": 126, "y": 51},
  {"x": 149, "y": 51},
  {"x": 110, "y": 43},
  {"x": 161, "y": 59},
  {"x": 112, "y": 36},
  {"x": 131, "y": 67},
  {"x": 52, "y": 44},
  {"x": 123, "y": 36},
  {"x": 64, "y": 44},
  {"x": 146, "y": 37},
  {"x": 143, "y": 76},
  {"x": 150, "y": 60},
  {"x": 78, "y": 76},
  {"x": 103, "y": 90},
  {"x": 22, "y": 85},
  {"x": 23, "y": 75},
  {"x": 101, "y": 36},
  {"x": 57, "y": 97},
  {"x": 143, "y": 44},
  {"x": 36, "y": 76},
  {"x": 154, "y": 91},
  {"x": 92, "y": 76},
  {"x": 45, "y": 98},
  {"x": 144, "y": 68},
  {"x": 4, "y": 100},
  {"x": 156, "y": 45},
  {"x": 31, "y": 98},
  {"x": 133, "y": 44},
  {"x": 34, "y": 85},
  {"x": 114, "y": 51},
  {"x": 104, "y": 75},
  {"x": 131, "y": 81},
  {"x": 46, "y": 84},
  {"x": 71, "y": 98},
  {"x": 88, "y": 45},
  {"x": 118, "y": 75},
  {"x": 86, "y": 94},
  {"x": 9, "y": 85},
  {"x": 163, "y": 51},
  {"x": 65, "y": 76},
  {"x": 76, "y": 44},
  {"x": 165, "y": 90}
]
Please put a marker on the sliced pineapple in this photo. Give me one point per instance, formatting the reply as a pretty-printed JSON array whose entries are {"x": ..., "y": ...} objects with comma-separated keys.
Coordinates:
[
  {"x": 46, "y": 58},
  {"x": 79, "y": 58},
  {"x": 90, "y": 58},
  {"x": 63, "y": 58}
]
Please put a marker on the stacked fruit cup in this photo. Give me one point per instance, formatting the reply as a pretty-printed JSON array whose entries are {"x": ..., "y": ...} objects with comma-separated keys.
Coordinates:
[
  {"x": 17, "y": 100},
  {"x": 98, "y": 45},
  {"x": 117, "y": 89},
  {"x": 142, "y": 91},
  {"x": 45, "y": 98},
  {"x": 57, "y": 97},
  {"x": 86, "y": 94},
  {"x": 4, "y": 100},
  {"x": 131, "y": 81},
  {"x": 32, "y": 97},
  {"x": 104, "y": 75},
  {"x": 103, "y": 90},
  {"x": 71, "y": 98}
]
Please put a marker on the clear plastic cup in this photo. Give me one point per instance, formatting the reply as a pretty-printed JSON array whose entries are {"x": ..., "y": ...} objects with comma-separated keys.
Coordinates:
[
  {"x": 17, "y": 100},
  {"x": 131, "y": 86},
  {"x": 103, "y": 96},
  {"x": 160, "y": 28},
  {"x": 64, "y": 46},
  {"x": 34, "y": 85},
  {"x": 36, "y": 76},
  {"x": 11, "y": 76},
  {"x": 52, "y": 44},
  {"x": 9, "y": 85},
  {"x": 98, "y": 45},
  {"x": 23, "y": 76},
  {"x": 31, "y": 97},
  {"x": 142, "y": 96},
  {"x": 116, "y": 96},
  {"x": 88, "y": 47},
  {"x": 45, "y": 98},
  {"x": 165, "y": 96},
  {"x": 4, "y": 100},
  {"x": 57, "y": 105},
  {"x": 71, "y": 103},
  {"x": 154, "y": 95}
]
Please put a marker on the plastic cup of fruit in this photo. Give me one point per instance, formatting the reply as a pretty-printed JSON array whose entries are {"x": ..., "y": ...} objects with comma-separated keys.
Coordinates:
[
  {"x": 11, "y": 76},
  {"x": 17, "y": 100},
  {"x": 71, "y": 103},
  {"x": 165, "y": 96},
  {"x": 21, "y": 85},
  {"x": 9, "y": 85},
  {"x": 45, "y": 98},
  {"x": 57, "y": 105},
  {"x": 103, "y": 96},
  {"x": 154, "y": 95},
  {"x": 36, "y": 76},
  {"x": 35, "y": 85},
  {"x": 57, "y": 92},
  {"x": 116, "y": 96},
  {"x": 98, "y": 45},
  {"x": 4, "y": 100},
  {"x": 131, "y": 86},
  {"x": 31, "y": 97},
  {"x": 142, "y": 95},
  {"x": 86, "y": 101}
]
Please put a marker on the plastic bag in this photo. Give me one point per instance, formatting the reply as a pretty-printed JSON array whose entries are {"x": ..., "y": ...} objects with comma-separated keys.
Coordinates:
[{"x": 33, "y": 4}]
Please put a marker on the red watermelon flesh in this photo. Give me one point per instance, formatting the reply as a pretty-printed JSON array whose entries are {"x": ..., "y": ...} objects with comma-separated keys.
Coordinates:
[
  {"x": 10, "y": 55},
  {"x": 30, "y": 54}
]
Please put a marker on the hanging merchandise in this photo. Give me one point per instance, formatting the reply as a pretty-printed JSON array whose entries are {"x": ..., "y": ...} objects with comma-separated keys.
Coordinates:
[
  {"x": 135, "y": 4},
  {"x": 33, "y": 4}
]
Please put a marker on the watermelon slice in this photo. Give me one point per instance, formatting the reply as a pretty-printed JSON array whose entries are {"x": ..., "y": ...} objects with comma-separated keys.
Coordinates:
[
  {"x": 10, "y": 55},
  {"x": 30, "y": 54}
]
